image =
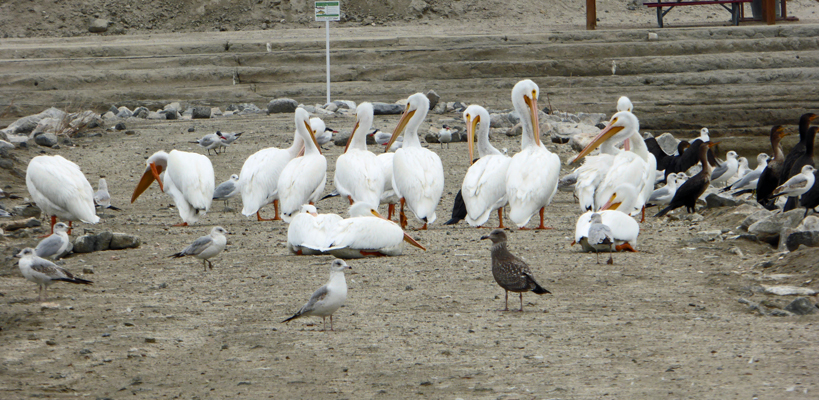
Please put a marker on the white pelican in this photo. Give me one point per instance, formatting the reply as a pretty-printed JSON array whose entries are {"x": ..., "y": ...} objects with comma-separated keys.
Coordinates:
[
  {"x": 635, "y": 165},
  {"x": 366, "y": 233},
  {"x": 259, "y": 178},
  {"x": 309, "y": 231},
  {"x": 418, "y": 174},
  {"x": 303, "y": 178},
  {"x": 623, "y": 227},
  {"x": 359, "y": 175},
  {"x": 388, "y": 196},
  {"x": 60, "y": 189},
  {"x": 484, "y": 186},
  {"x": 531, "y": 180},
  {"x": 624, "y": 104},
  {"x": 187, "y": 177}
]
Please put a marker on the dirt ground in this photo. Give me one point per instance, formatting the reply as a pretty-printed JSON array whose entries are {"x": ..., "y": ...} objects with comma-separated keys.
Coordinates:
[{"x": 661, "y": 323}]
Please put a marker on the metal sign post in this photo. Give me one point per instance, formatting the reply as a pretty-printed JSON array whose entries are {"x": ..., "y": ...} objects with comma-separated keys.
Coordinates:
[{"x": 328, "y": 11}]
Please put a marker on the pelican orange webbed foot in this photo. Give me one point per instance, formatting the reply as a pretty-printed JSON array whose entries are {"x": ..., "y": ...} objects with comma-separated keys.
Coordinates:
[{"x": 625, "y": 246}]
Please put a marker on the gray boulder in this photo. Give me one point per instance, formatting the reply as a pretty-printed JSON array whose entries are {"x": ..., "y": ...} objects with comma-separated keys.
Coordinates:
[
  {"x": 668, "y": 143},
  {"x": 754, "y": 218},
  {"x": 98, "y": 25},
  {"x": 802, "y": 306},
  {"x": 387, "y": 109},
  {"x": 277, "y": 106},
  {"x": 141, "y": 112},
  {"x": 105, "y": 241},
  {"x": 200, "y": 112},
  {"x": 28, "y": 123},
  {"x": 799, "y": 238},
  {"x": 713, "y": 200},
  {"x": 591, "y": 118},
  {"x": 516, "y": 130},
  {"x": 433, "y": 99},
  {"x": 121, "y": 241},
  {"x": 169, "y": 114},
  {"x": 46, "y": 139},
  {"x": 85, "y": 243},
  {"x": 770, "y": 228},
  {"x": 153, "y": 115},
  {"x": 124, "y": 112},
  {"x": 345, "y": 104},
  {"x": 431, "y": 138}
]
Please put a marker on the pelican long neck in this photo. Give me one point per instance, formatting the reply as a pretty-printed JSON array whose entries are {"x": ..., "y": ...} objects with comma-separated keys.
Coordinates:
[
  {"x": 484, "y": 147},
  {"x": 638, "y": 145},
  {"x": 310, "y": 148},
  {"x": 295, "y": 148},
  {"x": 607, "y": 147},
  {"x": 411, "y": 130},
  {"x": 359, "y": 140}
]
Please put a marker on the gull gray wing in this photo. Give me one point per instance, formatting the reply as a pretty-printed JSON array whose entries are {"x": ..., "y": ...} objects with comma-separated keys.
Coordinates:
[
  {"x": 663, "y": 191},
  {"x": 719, "y": 171},
  {"x": 49, "y": 269},
  {"x": 198, "y": 246},
  {"x": 224, "y": 190},
  {"x": 317, "y": 296},
  {"x": 49, "y": 246}
]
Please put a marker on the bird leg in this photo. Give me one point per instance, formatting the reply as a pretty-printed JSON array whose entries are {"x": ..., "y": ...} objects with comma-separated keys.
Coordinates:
[
  {"x": 259, "y": 217},
  {"x": 521, "y": 302},
  {"x": 276, "y": 208},
  {"x": 53, "y": 221},
  {"x": 70, "y": 227},
  {"x": 390, "y": 211},
  {"x": 350, "y": 198},
  {"x": 643, "y": 219},
  {"x": 541, "y": 226},
  {"x": 181, "y": 224},
  {"x": 506, "y": 308},
  {"x": 625, "y": 246},
  {"x": 370, "y": 253},
  {"x": 331, "y": 323},
  {"x": 500, "y": 218},
  {"x": 598, "y": 255},
  {"x": 402, "y": 218},
  {"x": 423, "y": 228}
]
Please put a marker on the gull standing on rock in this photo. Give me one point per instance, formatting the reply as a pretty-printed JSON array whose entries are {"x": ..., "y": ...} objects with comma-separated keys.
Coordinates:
[
  {"x": 798, "y": 184},
  {"x": 302, "y": 180},
  {"x": 484, "y": 186},
  {"x": 445, "y": 136},
  {"x": 600, "y": 235},
  {"x": 510, "y": 272},
  {"x": 328, "y": 298},
  {"x": 418, "y": 174},
  {"x": 726, "y": 170},
  {"x": 187, "y": 177},
  {"x": 227, "y": 190},
  {"x": 531, "y": 179},
  {"x": 206, "y": 247},
  {"x": 102, "y": 198},
  {"x": 57, "y": 245},
  {"x": 43, "y": 272},
  {"x": 60, "y": 189}
]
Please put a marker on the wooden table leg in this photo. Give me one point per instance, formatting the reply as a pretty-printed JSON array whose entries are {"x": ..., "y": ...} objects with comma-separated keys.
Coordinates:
[
  {"x": 591, "y": 15},
  {"x": 769, "y": 11}
]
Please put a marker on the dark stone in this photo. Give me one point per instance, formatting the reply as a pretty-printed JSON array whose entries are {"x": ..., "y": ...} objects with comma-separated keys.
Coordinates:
[
  {"x": 459, "y": 107},
  {"x": 433, "y": 99},
  {"x": 802, "y": 306},
  {"x": 249, "y": 108},
  {"x": 714, "y": 200},
  {"x": 192, "y": 129},
  {"x": 277, "y": 106},
  {"x": 431, "y": 138},
  {"x": 170, "y": 114},
  {"x": 99, "y": 25},
  {"x": 387, "y": 109},
  {"x": 341, "y": 138},
  {"x": 46, "y": 139},
  {"x": 66, "y": 141},
  {"x": 141, "y": 112},
  {"x": 124, "y": 113},
  {"x": 114, "y": 110},
  {"x": 201, "y": 112},
  {"x": 807, "y": 238},
  {"x": 120, "y": 126},
  {"x": 85, "y": 244},
  {"x": 103, "y": 241},
  {"x": 121, "y": 241}
]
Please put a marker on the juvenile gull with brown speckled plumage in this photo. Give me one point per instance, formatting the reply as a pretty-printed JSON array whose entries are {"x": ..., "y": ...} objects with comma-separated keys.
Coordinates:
[{"x": 511, "y": 273}]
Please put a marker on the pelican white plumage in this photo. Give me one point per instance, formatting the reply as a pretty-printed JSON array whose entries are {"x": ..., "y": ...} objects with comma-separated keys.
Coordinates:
[
  {"x": 359, "y": 175},
  {"x": 623, "y": 227},
  {"x": 484, "y": 186},
  {"x": 388, "y": 195},
  {"x": 259, "y": 178},
  {"x": 418, "y": 174},
  {"x": 60, "y": 189},
  {"x": 308, "y": 232},
  {"x": 366, "y": 233},
  {"x": 187, "y": 177},
  {"x": 635, "y": 166},
  {"x": 531, "y": 179},
  {"x": 302, "y": 180},
  {"x": 624, "y": 104}
]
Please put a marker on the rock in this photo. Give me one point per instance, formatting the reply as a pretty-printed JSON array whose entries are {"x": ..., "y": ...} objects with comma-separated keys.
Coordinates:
[
  {"x": 340, "y": 139},
  {"x": 331, "y": 107},
  {"x": 503, "y": 120},
  {"x": 103, "y": 241},
  {"x": 200, "y": 112},
  {"x": 141, "y": 112},
  {"x": 591, "y": 118},
  {"x": 695, "y": 217},
  {"x": 153, "y": 115},
  {"x": 802, "y": 306},
  {"x": 46, "y": 139},
  {"x": 810, "y": 223},
  {"x": 754, "y": 217},
  {"x": 28, "y": 123},
  {"x": 345, "y": 104},
  {"x": 169, "y": 114},
  {"x": 653, "y": 36},
  {"x": 47, "y": 125},
  {"x": 807, "y": 238},
  {"x": 123, "y": 112},
  {"x": 565, "y": 131},
  {"x": 769, "y": 229},
  {"x": 121, "y": 241},
  {"x": 120, "y": 126},
  {"x": 579, "y": 142},
  {"x": 98, "y": 25},
  {"x": 433, "y": 99},
  {"x": 418, "y": 7},
  {"x": 387, "y": 109},
  {"x": 516, "y": 130},
  {"x": 431, "y": 138},
  {"x": 788, "y": 290},
  {"x": 85, "y": 243},
  {"x": 250, "y": 108},
  {"x": 668, "y": 143},
  {"x": 714, "y": 200},
  {"x": 281, "y": 106},
  {"x": 709, "y": 236},
  {"x": 109, "y": 115}
]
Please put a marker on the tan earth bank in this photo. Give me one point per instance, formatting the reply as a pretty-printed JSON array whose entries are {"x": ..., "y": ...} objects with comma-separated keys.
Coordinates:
[{"x": 662, "y": 323}]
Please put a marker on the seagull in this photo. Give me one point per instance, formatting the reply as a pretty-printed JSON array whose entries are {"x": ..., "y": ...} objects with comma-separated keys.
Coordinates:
[
  {"x": 600, "y": 234},
  {"x": 326, "y": 135},
  {"x": 383, "y": 138},
  {"x": 43, "y": 272},
  {"x": 211, "y": 141},
  {"x": 227, "y": 138},
  {"x": 445, "y": 136},
  {"x": 510, "y": 272},
  {"x": 751, "y": 179},
  {"x": 57, "y": 245},
  {"x": 102, "y": 198},
  {"x": 206, "y": 247},
  {"x": 663, "y": 195},
  {"x": 227, "y": 190},
  {"x": 726, "y": 170},
  {"x": 798, "y": 184},
  {"x": 328, "y": 298}
]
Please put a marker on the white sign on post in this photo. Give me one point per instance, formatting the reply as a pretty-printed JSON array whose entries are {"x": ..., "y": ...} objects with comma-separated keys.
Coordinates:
[{"x": 328, "y": 11}]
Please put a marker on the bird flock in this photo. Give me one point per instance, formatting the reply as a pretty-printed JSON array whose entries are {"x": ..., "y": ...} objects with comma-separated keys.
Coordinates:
[{"x": 613, "y": 185}]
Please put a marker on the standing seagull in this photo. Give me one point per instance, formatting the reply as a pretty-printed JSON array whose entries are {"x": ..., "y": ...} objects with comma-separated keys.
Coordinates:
[
  {"x": 227, "y": 189},
  {"x": 43, "y": 272},
  {"x": 206, "y": 247},
  {"x": 798, "y": 184},
  {"x": 187, "y": 177},
  {"x": 227, "y": 138},
  {"x": 102, "y": 198},
  {"x": 328, "y": 298},
  {"x": 211, "y": 141},
  {"x": 600, "y": 234},
  {"x": 418, "y": 174},
  {"x": 726, "y": 170},
  {"x": 445, "y": 136},
  {"x": 60, "y": 189},
  {"x": 531, "y": 179},
  {"x": 57, "y": 245},
  {"x": 510, "y": 272}
]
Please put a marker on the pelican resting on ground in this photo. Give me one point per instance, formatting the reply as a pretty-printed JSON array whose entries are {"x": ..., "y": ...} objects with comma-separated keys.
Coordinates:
[
  {"x": 624, "y": 228},
  {"x": 367, "y": 234},
  {"x": 309, "y": 232},
  {"x": 187, "y": 177},
  {"x": 60, "y": 189}
]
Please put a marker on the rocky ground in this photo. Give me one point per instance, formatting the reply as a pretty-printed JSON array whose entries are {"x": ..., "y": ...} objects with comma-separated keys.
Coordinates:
[{"x": 692, "y": 315}]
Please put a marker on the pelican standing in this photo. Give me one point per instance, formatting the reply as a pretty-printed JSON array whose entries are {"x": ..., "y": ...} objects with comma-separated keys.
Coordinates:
[
  {"x": 418, "y": 174},
  {"x": 259, "y": 178},
  {"x": 484, "y": 186},
  {"x": 303, "y": 178},
  {"x": 187, "y": 177},
  {"x": 60, "y": 189},
  {"x": 359, "y": 175}
]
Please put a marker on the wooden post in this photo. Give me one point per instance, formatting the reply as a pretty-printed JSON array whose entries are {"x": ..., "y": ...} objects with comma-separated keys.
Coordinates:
[
  {"x": 591, "y": 15},
  {"x": 769, "y": 11}
]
